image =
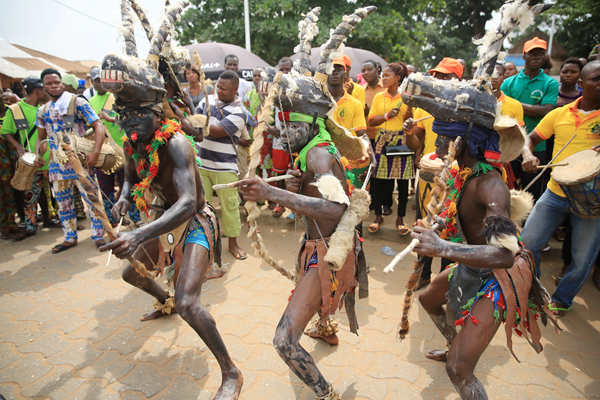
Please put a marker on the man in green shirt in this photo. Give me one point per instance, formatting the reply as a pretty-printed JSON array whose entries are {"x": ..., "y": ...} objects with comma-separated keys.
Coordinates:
[
  {"x": 538, "y": 94},
  {"x": 102, "y": 103},
  {"x": 21, "y": 133}
]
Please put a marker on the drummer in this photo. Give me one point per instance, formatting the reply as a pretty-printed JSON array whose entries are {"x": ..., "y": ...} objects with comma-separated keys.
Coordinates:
[
  {"x": 23, "y": 140},
  {"x": 583, "y": 117}
]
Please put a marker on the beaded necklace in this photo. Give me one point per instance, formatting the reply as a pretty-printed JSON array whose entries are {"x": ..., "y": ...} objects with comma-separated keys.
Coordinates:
[
  {"x": 147, "y": 169},
  {"x": 457, "y": 179}
]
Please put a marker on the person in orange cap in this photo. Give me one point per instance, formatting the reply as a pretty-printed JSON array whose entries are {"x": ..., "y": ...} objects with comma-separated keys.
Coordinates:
[
  {"x": 537, "y": 93},
  {"x": 448, "y": 68}
]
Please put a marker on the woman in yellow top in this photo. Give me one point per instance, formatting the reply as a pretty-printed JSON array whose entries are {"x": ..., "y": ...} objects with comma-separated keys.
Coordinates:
[{"x": 388, "y": 113}]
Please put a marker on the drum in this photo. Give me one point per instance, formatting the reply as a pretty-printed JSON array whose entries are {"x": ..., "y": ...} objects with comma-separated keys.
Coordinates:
[
  {"x": 110, "y": 158},
  {"x": 430, "y": 166},
  {"x": 580, "y": 180},
  {"x": 25, "y": 172}
]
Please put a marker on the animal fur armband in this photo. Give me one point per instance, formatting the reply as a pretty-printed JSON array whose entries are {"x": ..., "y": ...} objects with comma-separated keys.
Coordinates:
[
  {"x": 342, "y": 240},
  {"x": 501, "y": 232},
  {"x": 330, "y": 187}
]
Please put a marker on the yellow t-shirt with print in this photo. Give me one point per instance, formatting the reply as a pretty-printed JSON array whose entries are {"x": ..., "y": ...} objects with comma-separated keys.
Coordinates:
[
  {"x": 427, "y": 125},
  {"x": 383, "y": 103},
  {"x": 358, "y": 92},
  {"x": 512, "y": 108},
  {"x": 349, "y": 113},
  {"x": 563, "y": 122}
]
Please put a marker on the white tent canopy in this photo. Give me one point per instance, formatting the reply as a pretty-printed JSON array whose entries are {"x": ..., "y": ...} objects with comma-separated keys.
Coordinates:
[{"x": 17, "y": 64}]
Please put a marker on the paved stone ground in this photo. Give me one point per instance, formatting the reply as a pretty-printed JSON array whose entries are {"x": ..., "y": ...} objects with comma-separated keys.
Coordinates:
[{"x": 70, "y": 330}]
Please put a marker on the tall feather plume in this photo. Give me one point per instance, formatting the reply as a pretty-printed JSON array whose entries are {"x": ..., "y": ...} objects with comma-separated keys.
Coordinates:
[
  {"x": 517, "y": 14},
  {"x": 265, "y": 117},
  {"x": 127, "y": 29},
  {"x": 141, "y": 14},
  {"x": 339, "y": 35},
  {"x": 159, "y": 39},
  {"x": 307, "y": 31}
]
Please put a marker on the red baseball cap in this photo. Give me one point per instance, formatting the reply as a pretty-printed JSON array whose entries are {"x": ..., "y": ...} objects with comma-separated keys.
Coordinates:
[
  {"x": 535, "y": 43},
  {"x": 449, "y": 66}
]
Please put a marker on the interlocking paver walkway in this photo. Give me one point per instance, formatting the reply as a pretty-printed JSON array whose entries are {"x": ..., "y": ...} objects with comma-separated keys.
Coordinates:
[{"x": 70, "y": 330}]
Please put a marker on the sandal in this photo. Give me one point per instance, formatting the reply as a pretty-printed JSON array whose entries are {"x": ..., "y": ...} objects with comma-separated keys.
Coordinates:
[
  {"x": 239, "y": 255},
  {"x": 437, "y": 355},
  {"x": 403, "y": 229},
  {"x": 63, "y": 246},
  {"x": 558, "y": 309},
  {"x": 278, "y": 211},
  {"x": 374, "y": 227}
]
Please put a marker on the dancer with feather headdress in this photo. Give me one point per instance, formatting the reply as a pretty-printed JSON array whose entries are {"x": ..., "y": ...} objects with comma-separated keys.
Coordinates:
[
  {"x": 326, "y": 274},
  {"x": 493, "y": 279},
  {"x": 160, "y": 159}
]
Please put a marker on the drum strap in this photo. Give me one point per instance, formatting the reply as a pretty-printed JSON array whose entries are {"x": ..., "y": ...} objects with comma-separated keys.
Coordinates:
[
  {"x": 69, "y": 117},
  {"x": 19, "y": 117},
  {"x": 21, "y": 122}
]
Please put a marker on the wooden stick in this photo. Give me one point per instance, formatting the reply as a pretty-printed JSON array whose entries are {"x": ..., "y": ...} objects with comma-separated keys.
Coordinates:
[
  {"x": 268, "y": 180},
  {"x": 110, "y": 252},
  {"x": 398, "y": 257},
  {"x": 422, "y": 119},
  {"x": 552, "y": 165},
  {"x": 545, "y": 167},
  {"x": 92, "y": 190}
]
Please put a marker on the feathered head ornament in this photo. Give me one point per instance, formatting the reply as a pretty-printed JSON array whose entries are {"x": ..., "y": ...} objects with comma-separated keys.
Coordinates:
[
  {"x": 473, "y": 102},
  {"x": 136, "y": 82}
]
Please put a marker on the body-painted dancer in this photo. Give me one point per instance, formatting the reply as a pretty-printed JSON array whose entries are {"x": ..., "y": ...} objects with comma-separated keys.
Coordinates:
[
  {"x": 160, "y": 159},
  {"x": 320, "y": 193},
  {"x": 492, "y": 279}
]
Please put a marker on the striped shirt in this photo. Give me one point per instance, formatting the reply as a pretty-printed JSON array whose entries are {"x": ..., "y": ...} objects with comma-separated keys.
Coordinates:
[{"x": 219, "y": 154}]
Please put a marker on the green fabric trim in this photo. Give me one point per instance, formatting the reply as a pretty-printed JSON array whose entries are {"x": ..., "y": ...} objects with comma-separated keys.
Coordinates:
[
  {"x": 452, "y": 270},
  {"x": 482, "y": 168}
]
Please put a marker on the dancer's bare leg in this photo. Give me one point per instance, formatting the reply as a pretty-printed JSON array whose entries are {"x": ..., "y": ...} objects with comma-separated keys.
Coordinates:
[
  {"x": 187, "y": 302},
  {"x": 143, "y": 254},
  {"x": 305, "y": 302},
  {"x": 433, "y": 299},
  {"x": 466, "y": 349}
]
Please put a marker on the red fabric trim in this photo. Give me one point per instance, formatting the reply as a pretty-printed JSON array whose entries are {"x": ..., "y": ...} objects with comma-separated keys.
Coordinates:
[
  {"x": 283, "y": 115},
  {"x": 491, "y": 155}
]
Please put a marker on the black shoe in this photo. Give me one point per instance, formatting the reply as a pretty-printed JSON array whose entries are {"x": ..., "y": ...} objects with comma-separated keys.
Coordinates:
[
  {"x": 52, "y": 223},
  {"x": 23, "y": 235},
  {"x": 387, "y": 210}
]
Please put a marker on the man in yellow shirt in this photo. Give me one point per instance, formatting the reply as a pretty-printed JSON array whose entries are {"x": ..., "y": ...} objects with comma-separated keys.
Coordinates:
[
  {"x": 581, "y": 117},
  {"x": 349, "y": 112}
]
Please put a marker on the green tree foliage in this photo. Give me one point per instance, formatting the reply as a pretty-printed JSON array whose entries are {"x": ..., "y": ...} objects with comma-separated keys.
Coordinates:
[
  {"x": 418, "y": 32},
  {"x": 577, "y": 26}
]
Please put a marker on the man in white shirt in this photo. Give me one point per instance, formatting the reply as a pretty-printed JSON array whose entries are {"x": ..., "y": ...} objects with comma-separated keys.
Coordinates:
[{"x": 232, "y": 63}]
